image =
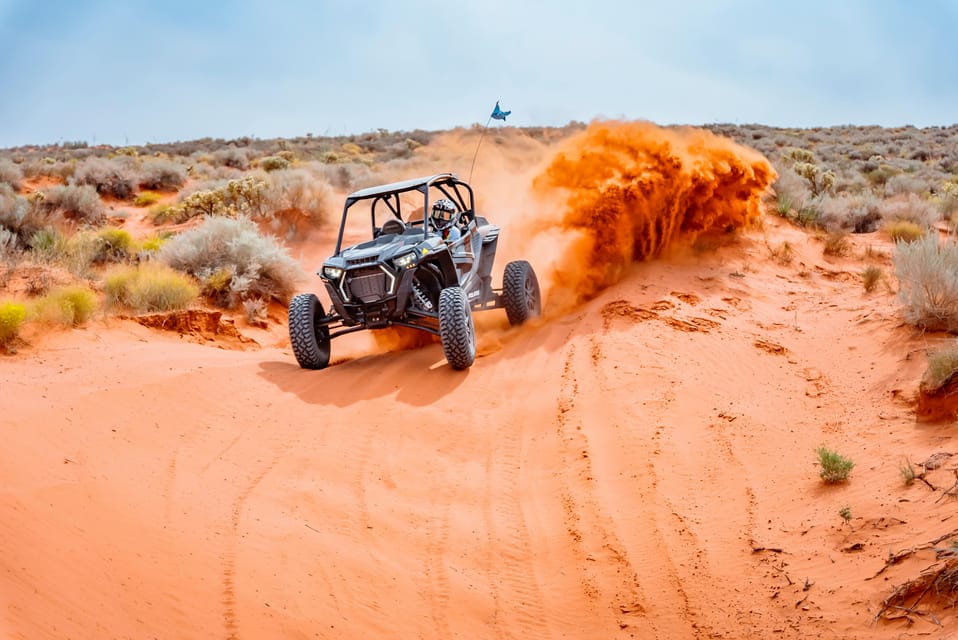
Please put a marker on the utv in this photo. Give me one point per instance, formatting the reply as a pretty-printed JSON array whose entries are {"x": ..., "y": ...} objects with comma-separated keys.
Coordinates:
[{"x": 408, "y": 275}]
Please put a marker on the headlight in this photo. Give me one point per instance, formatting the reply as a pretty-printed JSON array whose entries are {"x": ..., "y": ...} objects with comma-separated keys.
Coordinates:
[
  {"x": 333, "y": 273},
  {"x": 405, "y": 261}
]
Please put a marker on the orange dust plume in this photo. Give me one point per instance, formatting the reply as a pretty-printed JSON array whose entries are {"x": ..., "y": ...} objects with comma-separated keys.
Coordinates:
[{"x": 629, "y": 190}]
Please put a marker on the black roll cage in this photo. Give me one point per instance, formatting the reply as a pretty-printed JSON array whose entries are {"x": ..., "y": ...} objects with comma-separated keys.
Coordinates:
[{"x": 388, "y": 195}]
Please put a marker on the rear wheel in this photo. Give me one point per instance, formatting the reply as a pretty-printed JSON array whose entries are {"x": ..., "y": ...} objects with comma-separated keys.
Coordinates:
[
  {"x": 310, "y": 341},
  {"x": 456, "y": 330},
  {"x": 520, "y": 292}
]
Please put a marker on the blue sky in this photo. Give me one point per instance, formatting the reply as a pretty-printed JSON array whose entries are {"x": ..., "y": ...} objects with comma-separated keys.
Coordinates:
[{"x": 135, "y": 72}]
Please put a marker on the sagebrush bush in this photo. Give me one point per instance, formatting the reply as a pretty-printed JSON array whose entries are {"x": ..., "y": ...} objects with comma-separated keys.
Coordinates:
[
  {"x": 13, "y": 209},
  {"x": 10, "y": 174},
  {"x": 834, "y": 467},
  {"x": 110, "y": 177},
  {"x": 857, "y": 213},
  {"x": 71, "y": 306},
  {"x": 80, "y": 203},
  {"x": 942, "y": 367},
  {"x": 232, "y": 157},
  {"x": 928, "y": 281},
  {"x": 233, "y": 261},
  {"x": 12, "y": 315},
  {"x": 912, "y": 208},
  {"x": 162, "y": 175},
  {"x": 150, "y": 287}
]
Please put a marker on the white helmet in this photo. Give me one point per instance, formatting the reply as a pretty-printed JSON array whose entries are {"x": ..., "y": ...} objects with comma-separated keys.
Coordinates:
[{"x": 443, "y": 213}]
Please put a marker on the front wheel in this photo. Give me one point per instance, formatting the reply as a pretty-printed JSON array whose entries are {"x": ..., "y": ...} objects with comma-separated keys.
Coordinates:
[
  {"x": 520, "y": 292},
  {"x": 309, "y": 340},
  {"x": 456, "y": 330}
]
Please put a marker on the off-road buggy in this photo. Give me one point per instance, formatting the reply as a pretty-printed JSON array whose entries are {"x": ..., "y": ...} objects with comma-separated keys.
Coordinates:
[{"x": 407, "y": 275}]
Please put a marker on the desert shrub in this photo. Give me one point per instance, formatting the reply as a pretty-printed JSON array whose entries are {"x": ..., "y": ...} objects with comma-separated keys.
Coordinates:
[
  {"x": 233, "y": 261},
  {"x": 820, "y": 181},
  {"x": 150, "y": 287},
  {"x": 256, "y": 311},
  {"x": 834, "y": 467},
  {"x": 903, "y": 230},
  {"x": 146, "y": 199},
  {"x": 12, "y": 315},
  {"x": 114, "y": 245},
  {"x": 948, "y": 202},
  {"x": 836, "y": 244},
  {"x": 71, "y": 306},
  {"x": 928, "y": 281},
  {"x": 871, "y": 276},
  {"x": 76, "y": 253},
  {"x": 232, "y": 157},
  {"x": 8, "y": 243},
  {"x": 73, "y": 202},
  {"x": 942, "y": 367},
  {"x": 243, "y": 197},
  {"x": 857, "y": 213},
  {"x": 273, "y": 163},
  {"x": 299, "y": 189},
  {"x": 10, "y": 173},
  {"x": 904, "y": 183},
  {"x": 111, "y": 177},
  {"x": 151, "y": 245},
  {"x": 162, "y": 175},
  {"x": 13, "y": 209},
  {"x": 910, "y": 207}
]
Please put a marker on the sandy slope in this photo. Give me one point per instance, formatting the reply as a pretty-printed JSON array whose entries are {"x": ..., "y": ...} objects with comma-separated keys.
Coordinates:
[{"x": 607, "y": 474}]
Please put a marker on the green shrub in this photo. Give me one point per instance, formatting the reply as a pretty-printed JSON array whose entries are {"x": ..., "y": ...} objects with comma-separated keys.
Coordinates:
[
  {"x": 146, "y": 198},
  {"x": 233, "y": 261},
  {"x": 12, "y": 315},
  {"x": 114, "y": 245},
  {"x": 834, "y": 467},
  {"x": 71, "y": 306},
  {"x": 928, "y": 281},
  {"x": 150, "y": 287}
]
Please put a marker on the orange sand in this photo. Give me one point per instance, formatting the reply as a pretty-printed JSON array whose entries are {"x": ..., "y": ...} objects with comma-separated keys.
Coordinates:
[{"x": 639, "y": 466}]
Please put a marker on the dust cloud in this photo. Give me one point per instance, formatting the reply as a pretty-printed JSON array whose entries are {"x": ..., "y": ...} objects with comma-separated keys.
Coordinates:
[{"x": 622, "y": 192}]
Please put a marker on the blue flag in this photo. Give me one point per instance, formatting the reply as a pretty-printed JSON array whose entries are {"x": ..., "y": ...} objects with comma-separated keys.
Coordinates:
[{"x": 498, "y": 113}]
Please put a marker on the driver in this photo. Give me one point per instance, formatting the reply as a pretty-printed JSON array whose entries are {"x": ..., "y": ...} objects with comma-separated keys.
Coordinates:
[{"x": 444, "y": 216}]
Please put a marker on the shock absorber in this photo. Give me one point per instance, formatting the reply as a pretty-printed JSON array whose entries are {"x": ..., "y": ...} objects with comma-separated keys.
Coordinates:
[{"x": 419, "y": 293}]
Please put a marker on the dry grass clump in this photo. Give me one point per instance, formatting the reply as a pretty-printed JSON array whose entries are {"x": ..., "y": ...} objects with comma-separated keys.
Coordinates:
[
  {"x": 942, "y": 366},
  {"x": 149, "y": 288},
  {"x": 837, "y": 244},
  {"x": 871, "y": 276},
  {"x": 904, "y": 230},
  {"x": 114, "y": 245},
  {"x": 928, "y": 281},
  {"x": 233, "y": 262},
  {"x": 912, "y": 208},
  {"x": 12, "y": 315},
  {"x": 146, "y": 199},
  {"x": 72, "y": 306}
]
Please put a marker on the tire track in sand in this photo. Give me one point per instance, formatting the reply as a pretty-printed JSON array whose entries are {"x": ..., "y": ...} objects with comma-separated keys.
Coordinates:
[{"x": 609, "y": 573}]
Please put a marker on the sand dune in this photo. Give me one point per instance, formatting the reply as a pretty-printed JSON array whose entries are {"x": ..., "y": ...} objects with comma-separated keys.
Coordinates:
[
  {"x": 608, "y": 473},
  {"x": 639, "y": 464}
]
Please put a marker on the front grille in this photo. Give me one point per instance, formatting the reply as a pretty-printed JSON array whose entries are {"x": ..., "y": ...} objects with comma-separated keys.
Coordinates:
[{"x": 367, "y": 285}]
